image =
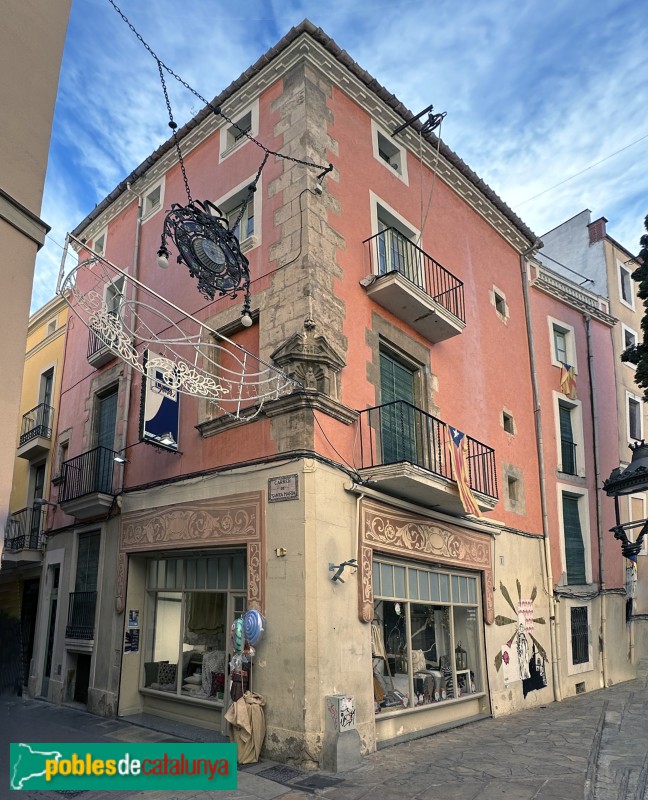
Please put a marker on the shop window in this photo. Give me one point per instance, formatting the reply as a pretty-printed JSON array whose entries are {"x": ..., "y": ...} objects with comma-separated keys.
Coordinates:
[
  {"x": 192, "y": 603},
  {"x": 425, "y": 636}
]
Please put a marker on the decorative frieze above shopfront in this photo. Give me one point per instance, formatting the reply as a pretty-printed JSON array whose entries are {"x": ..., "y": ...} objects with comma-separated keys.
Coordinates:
[
  {"x": 404, "y": 534},
  {"x": 215, "y": 522}
]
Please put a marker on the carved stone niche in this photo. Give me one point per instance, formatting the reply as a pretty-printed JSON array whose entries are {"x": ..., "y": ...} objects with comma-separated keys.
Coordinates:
[{"x": 311, "y": 360}]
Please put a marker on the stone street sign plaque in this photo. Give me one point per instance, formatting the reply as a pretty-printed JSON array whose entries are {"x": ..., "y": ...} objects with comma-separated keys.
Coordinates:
[{"x": 284, "y": 487}]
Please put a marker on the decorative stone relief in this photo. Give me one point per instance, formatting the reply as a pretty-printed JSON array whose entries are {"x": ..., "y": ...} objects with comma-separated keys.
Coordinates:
[
  {"x": 391, "y": 530},
  {"x": 235, "y": 519},
  {"x": 311, "y": 360}
]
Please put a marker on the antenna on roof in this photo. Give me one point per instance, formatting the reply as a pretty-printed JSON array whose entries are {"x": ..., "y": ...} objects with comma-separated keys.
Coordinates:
[{"x": 432, "y": 122}]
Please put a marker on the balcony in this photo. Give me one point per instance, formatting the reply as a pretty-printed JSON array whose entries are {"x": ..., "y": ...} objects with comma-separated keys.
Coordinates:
[
  {"x": 88, "y": 484},
  {"x": 414, "y": 287},
  {"x": 81, "y": 615},
  {"x": 24, "y": 537},
  {"x": 36, "y": 432},
  {"x": 99, "y": 352},
  {"x": 408, "y": 453}
]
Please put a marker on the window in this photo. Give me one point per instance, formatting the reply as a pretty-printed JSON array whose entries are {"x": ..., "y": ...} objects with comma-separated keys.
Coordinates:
[
  {"x": 241, "y": 210},
  {"x": 573, "y": 539},
  {"x": 629, "y": 339},
  {"x": 233, "y": 136},
  {"x": 508, "y": 423},
  {"x": 51, "y": 327},
  {"x": 513, "y": 488},
  {"x": 425, "y": 635},
  {"x": 567, "y": 444},
  {"x": 563, "y": 350},
  {"x": 389, "y": 153},
  {"x": 99, "y": 244},
  {"x": 635, "y": 417},
  {"x": 114, "y": 296},
  {"x": 395, "y": 252},
  {"x": 398, "y": 415},
  {"x": 500, "y": 303},
  {"x": 560, "y": 345},
  {"x": 192, "y": 603},
  {"x": 153, "y": 200},
  {"x": 579, "y": 635},
  {"x": 626, "y": 287}
]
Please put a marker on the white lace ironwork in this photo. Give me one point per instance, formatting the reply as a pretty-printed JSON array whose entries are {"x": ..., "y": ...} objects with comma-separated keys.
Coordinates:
[{"x": 186, "y": 353}]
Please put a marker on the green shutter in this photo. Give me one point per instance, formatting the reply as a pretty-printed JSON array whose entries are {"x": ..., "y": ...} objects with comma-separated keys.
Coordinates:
[
  {"x": 574, "y": 547},
  {"x": 398, "y": 421},
  {"x": 566, "y": 432},
  {"x": 87, "y": 562}
]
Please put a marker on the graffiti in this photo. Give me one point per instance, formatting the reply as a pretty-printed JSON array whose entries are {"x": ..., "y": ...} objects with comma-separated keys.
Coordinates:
[
  {"x": 347, "y": 713},
  {"x": 514, "y": 658}
]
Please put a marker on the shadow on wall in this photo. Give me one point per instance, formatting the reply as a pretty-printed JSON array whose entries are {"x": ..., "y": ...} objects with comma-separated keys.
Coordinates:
[{"x": 10, "y": 654}]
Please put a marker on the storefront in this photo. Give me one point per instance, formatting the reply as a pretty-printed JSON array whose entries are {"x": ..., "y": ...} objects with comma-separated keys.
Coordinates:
[{"x": 426, "y": 589}]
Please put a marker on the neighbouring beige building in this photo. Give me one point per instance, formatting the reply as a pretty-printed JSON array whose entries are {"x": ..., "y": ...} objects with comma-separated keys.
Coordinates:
[{"x": 32, "y": 35}]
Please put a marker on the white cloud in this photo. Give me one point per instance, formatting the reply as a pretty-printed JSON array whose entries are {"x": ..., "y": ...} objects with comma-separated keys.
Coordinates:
[{"x": 534, "y": 93}]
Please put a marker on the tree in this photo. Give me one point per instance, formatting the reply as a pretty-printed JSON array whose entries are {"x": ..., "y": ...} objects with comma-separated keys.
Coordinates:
[{"x": 638, "y": 353}]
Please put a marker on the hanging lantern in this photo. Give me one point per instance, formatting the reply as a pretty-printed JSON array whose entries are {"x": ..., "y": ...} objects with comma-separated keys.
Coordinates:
[
  {"x": 208, "y": 247},
  {"x": 461, "y": 657}
]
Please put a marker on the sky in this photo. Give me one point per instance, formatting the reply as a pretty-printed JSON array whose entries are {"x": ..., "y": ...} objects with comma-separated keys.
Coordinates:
[{"x": 545, "y": 101}]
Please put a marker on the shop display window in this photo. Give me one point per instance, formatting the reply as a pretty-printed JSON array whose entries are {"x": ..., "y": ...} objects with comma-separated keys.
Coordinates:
[
  {"x": 426, "y": 643},
  {"x": 191, "y": 605}
]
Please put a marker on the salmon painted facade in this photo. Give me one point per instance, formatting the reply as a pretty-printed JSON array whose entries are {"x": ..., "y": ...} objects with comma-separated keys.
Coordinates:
[{"x": 398, "y": 516}]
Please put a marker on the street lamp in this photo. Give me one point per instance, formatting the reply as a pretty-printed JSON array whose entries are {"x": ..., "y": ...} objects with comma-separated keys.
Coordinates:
[{"x": 632, "y": 479}]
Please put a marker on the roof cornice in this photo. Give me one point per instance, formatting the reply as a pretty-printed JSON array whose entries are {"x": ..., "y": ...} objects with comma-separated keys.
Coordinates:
[
  {"x": 572, "y": 295},
  {"x": 307, "y": 42}
]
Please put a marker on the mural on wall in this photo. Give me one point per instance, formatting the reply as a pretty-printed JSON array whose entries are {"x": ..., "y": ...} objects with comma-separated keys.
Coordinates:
[{"x": 516, "y": 659}]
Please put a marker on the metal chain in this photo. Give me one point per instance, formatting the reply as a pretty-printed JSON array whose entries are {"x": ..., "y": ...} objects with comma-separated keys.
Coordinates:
[
  {"x": 217, "y": 110},
  {"x": 251, "y": 191},
  {"x": 174, "y": 128}
]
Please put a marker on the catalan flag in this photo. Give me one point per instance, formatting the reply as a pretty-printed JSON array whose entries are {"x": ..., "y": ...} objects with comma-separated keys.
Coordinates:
[
  {"x": 568, "y": 381},
  {"x": 462, "y": 476}
]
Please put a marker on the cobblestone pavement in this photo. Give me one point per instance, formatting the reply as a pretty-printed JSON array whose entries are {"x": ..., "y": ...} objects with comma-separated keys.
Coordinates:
[{"x": 590, "y": 747}]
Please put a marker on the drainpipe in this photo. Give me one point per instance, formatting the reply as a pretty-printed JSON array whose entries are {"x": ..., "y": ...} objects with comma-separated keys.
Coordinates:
[
  {"x": 548, "y": 574},
  {"x": 597, "y": 483}
]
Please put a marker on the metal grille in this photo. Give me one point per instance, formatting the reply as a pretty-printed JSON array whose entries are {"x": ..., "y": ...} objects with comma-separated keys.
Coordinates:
[
  {"x": 37, "y": 422},
  {"x": 423, "y": 440},
  {"x": 390, "y": 251},
  {"x": 568, "y": 456},
  {"x": 24, "y": 530},
  {"x": 81, "y": 615},
  {"x": 89, "y": 472},
  {"x": 579, "y": 635}
]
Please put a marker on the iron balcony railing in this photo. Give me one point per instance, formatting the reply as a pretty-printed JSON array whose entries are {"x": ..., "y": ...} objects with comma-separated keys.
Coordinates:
[
  {"x": 96, "y": 344},
  {"x": 37, "y": 422},
  {"x": 81, "y": 615},
  {"x": 24, "y": 530},
  {"x": 90, "y": 472},
  {"x": 568, "y": 456},
  {"x": 399, "y": 431},
  {"x": 390, "y": 251}
]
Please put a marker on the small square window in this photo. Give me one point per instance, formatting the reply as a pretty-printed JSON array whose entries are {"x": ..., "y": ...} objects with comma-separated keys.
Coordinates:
[
  {"x": 500, "y": 304},
  {"x": 389, "y": 152},
  {"x": 51, "y": 327},
  {"x": 629, "y": 338},
  {"x": 239, "y": 130},
  {"x": 508, "y": 423},
  {"x": 513, "y": 486},
  {"x": 100, "y": 244},
  {"x": 153, "y": 200}
]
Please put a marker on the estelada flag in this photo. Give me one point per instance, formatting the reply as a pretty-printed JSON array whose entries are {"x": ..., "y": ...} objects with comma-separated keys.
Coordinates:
[
  {"x": 568, "y": 381},
  {"x": 462, "y": 476}
]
